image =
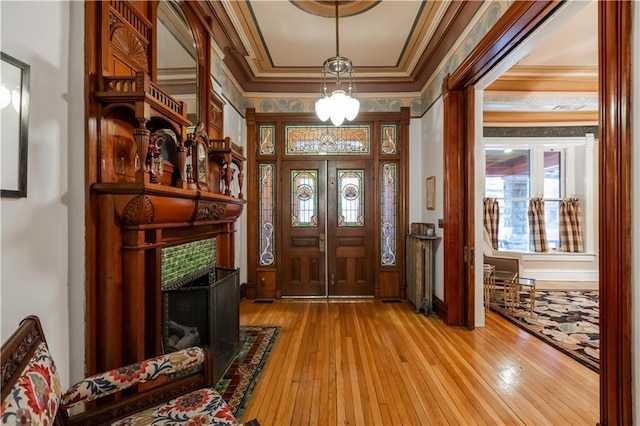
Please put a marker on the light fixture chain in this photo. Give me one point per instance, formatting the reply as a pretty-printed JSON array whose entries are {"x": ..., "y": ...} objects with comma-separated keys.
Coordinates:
[
  {"x": 337, "y": 33},
  {"x": 340, "y": 105}
]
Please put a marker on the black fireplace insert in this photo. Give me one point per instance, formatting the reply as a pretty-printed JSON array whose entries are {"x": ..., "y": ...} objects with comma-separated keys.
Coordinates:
[{"x": 205, "y": 312}]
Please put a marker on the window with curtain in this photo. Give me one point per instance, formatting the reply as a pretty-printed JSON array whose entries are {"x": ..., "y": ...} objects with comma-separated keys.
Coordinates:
[{"x": 513, "y": 176}]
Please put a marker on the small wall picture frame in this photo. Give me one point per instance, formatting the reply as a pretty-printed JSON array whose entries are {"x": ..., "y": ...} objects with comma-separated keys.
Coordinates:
[
  {"x": 14, "y": 110},
  {"x": 431, "y": 193}
]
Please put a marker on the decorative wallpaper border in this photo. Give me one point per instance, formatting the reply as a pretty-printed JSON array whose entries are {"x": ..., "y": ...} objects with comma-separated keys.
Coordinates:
[
  {"x": 539, "y": 132},
  {"x": 418, "y": 103}
]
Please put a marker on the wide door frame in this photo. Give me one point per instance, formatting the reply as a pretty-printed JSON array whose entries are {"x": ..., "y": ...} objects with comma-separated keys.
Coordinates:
[
  {"x": 615, "y": 256},
  {"x": 339, "y": 256},
  {"x": 389, "y": 139}
]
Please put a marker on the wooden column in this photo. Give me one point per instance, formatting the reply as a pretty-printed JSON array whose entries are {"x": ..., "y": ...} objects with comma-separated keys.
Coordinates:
[
  {"x": 133, "y": 303},
  {"x": 108, "y": 310},
  {"x": 614, "y": 32},
  {"x": 455, "y": 291}
]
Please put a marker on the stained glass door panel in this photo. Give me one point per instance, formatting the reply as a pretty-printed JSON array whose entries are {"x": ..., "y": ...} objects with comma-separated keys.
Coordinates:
[
  {"x": 328, "y": 230},
  {"x": 303, "y": 201},
  {"x": 350, "y": 228}
]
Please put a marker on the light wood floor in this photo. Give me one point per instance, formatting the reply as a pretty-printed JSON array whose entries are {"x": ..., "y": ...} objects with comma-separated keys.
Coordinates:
[{"x": 374, "y": 363}]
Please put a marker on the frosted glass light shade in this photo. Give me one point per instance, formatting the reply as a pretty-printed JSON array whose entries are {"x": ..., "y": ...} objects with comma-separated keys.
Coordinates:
[
  {"x": 352, "y": 108},
  {"x": 338, "y": 107},
  {"x": 323, "y": 108}
]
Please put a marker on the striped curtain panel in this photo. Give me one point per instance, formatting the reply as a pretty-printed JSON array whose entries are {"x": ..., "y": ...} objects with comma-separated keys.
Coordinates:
[
  {"x": 536, "y": 224},
  {"x": 492, "y": 219},
  {"x": 571, "y": 226}
]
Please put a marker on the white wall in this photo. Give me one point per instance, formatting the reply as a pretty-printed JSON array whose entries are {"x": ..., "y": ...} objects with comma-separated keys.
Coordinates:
[
  {"x": 428, "y": 161},
  {"x": 235, "y": 127},
  {"x": 39, "y": 232},
  {"x": 635, "y": 301}
]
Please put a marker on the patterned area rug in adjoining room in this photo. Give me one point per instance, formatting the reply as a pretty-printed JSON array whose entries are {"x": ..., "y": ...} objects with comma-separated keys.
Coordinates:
[
  {"x": 567, "y": 320},
  {"x": 237, "y": 383}
]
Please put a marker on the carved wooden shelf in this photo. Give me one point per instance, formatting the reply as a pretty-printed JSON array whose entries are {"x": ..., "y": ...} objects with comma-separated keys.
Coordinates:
[
  {"x": 150, "y": 205},
  {"x": 140, "y": 88}
]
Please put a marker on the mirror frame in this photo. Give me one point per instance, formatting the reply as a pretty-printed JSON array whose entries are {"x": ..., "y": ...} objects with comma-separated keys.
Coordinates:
[{"x": 16, "y": 159}]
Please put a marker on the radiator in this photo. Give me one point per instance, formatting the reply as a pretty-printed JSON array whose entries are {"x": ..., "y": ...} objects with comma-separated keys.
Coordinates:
[{"x": 420, "y": 272}]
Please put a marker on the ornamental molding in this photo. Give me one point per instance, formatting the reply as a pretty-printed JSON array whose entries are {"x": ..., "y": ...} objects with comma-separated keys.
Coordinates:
[
  {"x": 138, "y": 211},
  {"x": 209, "y": 210}
]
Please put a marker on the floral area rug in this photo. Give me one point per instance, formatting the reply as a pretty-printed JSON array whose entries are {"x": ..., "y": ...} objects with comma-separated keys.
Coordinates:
[
  {"x": 567, "y": 320},
  {"x": 237, "y": 383}
]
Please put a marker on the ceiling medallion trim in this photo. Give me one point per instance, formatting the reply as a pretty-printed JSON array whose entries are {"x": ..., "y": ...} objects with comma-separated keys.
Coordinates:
[{"x": 325, "y": 9}]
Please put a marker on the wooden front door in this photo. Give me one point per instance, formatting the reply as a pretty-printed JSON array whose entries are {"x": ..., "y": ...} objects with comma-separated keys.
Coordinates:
[{"x": 328, "y": 234}]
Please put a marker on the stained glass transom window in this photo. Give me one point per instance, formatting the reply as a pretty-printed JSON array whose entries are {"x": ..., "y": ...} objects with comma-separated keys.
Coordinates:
[
  {"x": 351, "y": 198},
  {"x": 304, "y": 198},
  {"x": 267, "y": 215},
  {"x": 267, "y": 140},
  {"x": 388, "y": 217},
  {"x": 323, "y": 140},
  {"x": 388, "y": 143}
]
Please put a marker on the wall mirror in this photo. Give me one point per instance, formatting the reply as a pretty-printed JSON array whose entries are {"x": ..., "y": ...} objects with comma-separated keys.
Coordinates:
[
  {"x": 176, "y": 54},
  {"x": 14, "y": 106}
]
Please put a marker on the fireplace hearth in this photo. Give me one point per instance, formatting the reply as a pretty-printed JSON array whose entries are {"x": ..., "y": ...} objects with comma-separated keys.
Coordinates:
[{"x": 205, "y": 312}]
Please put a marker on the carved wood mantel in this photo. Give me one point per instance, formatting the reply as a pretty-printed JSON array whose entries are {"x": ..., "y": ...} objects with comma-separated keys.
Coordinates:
[{"x": 136, "y": 221}]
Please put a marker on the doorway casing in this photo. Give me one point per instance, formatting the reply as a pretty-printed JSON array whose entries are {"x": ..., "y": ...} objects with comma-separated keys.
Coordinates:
[{"x": 615, "y": 63}]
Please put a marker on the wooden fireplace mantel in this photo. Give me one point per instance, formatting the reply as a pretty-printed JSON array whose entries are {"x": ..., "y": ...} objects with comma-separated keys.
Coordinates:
[
  {"x": 135, "y": 221},
  {"x": 150, "y": 205}
]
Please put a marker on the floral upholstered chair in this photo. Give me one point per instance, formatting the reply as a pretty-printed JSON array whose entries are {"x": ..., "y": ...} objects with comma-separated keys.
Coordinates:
[{"x": 31, "y": 392}]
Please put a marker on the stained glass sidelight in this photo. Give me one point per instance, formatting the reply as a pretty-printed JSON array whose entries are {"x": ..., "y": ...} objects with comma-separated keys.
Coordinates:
[
  {"x": 323, "y": 140},
  {"x": 267, "y": 140},
  {"x": 304, "y": 198},
  {"x": 388, "y": 143},
  {"x": 266, "y": 190},
  {"x": 388, "y": 218}
]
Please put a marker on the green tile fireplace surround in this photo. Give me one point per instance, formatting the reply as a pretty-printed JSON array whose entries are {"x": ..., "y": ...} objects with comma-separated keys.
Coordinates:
[{"x": 186, "y": 262}]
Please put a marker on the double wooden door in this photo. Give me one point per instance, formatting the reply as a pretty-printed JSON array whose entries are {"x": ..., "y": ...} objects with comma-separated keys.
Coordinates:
[{"x": 327, "y": 235}]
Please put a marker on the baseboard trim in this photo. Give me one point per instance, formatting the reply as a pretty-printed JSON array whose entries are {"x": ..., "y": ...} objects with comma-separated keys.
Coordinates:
[
  {"x": 562, "y": 274},
  {"x": 439, "y": 307}
]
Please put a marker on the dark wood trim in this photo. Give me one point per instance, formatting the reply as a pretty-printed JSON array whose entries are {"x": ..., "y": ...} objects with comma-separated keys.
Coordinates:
[
  {"x": 469, "y": 211},
  {"x": 252, "y": 194},
  {"x": 512, "y": 27},
  {"x": 92, "y": 123},
  {"x": 455, "y": 291},
  {"x": 439, "y": 307},
  {"x": 615, "y": 64}
]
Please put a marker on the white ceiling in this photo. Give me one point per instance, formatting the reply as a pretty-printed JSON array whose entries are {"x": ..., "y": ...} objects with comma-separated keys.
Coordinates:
[
  {"x": 395, "y": 45},
  {"x": 574, "y": 43},
  {"x": 295, "y": 38}
]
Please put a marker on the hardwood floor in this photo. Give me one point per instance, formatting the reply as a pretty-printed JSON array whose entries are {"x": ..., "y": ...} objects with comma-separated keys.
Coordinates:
[{"x": 370, "y": 363}]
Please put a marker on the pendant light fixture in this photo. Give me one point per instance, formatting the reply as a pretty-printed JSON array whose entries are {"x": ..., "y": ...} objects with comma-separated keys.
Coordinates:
[{"x": 341, "y": 104}]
